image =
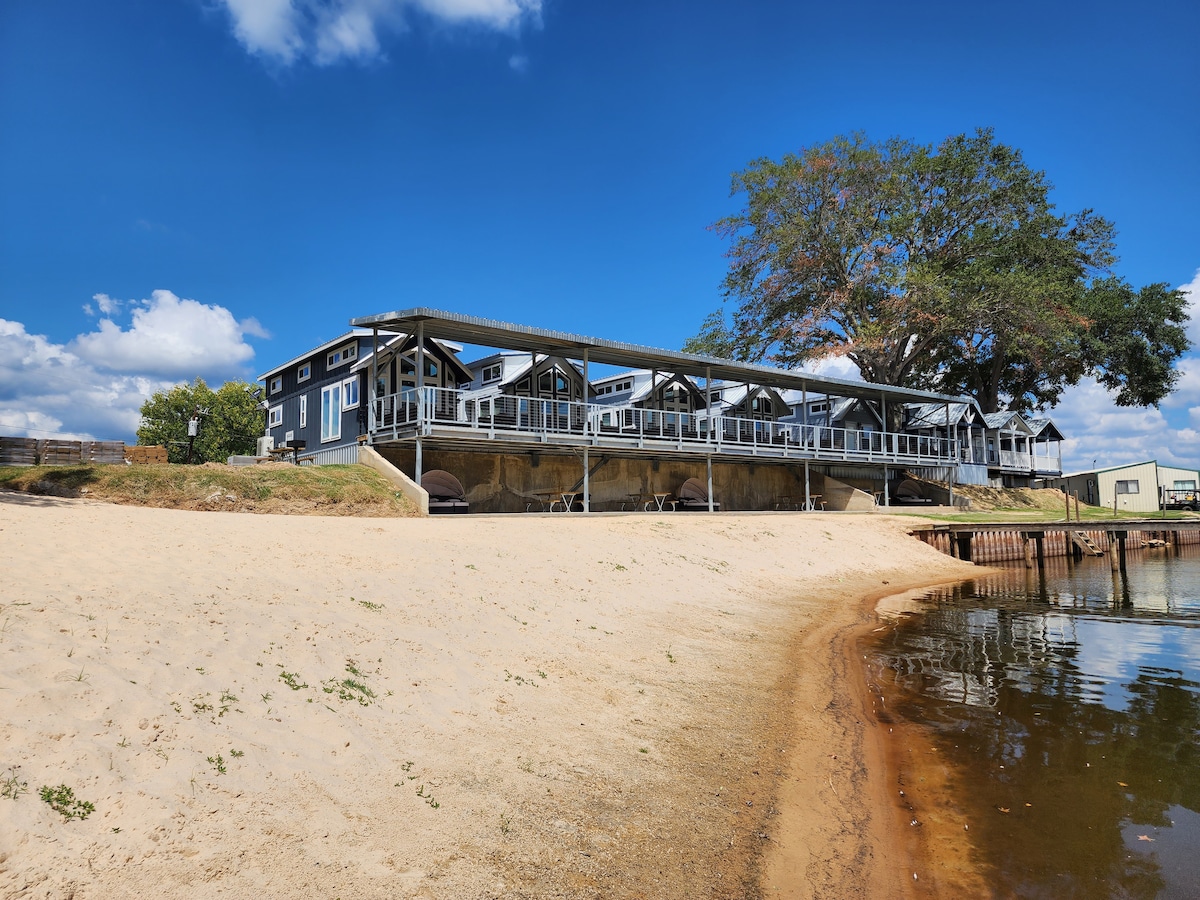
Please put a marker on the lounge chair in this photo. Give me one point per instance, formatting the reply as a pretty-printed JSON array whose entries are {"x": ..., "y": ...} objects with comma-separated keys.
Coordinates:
[
  {"x": 693, "y": 495},
  {"x": 446, "y": 493}
]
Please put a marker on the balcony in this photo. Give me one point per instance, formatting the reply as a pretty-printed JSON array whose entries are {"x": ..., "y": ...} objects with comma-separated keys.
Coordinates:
[{"x": 477, "y": 416}]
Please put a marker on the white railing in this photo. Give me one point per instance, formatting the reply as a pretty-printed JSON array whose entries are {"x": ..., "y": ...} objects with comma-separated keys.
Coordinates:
[
  {"x": 1016, "y": 460},
  {"x": 429, "y": 410}
]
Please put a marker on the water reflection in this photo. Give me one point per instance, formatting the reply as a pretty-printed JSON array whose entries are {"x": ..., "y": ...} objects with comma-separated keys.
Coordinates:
[{"x": 1067, "y": 706}]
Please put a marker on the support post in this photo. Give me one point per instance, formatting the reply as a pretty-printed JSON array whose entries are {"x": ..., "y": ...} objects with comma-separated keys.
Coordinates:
[
  {"x": 1112, "y": 550},
  {"x": 420, "y": 381},
  {"x": 1121, "y": 549},
  {"x": 887, "y": 495},
  {"x": 373, "y": 390},
  {"x": 1040, "y": 541},
  {"x": 708, "y": 409},
  {"x": 1028, "y": 550},
  {"x": 710, "y": 487},
  {"x": 807, "y": 489},
  {"x": 587, "y": 486}
]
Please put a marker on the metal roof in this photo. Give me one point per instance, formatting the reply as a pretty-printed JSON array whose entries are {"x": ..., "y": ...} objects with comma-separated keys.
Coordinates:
[{"x": 505, "y": 335}]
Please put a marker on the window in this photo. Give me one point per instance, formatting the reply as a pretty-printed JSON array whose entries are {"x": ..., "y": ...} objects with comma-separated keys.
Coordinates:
[
  {"x": 276, "y": 384},
  {"x": 276, "y": 418},
  {"x": 1185, "y": 485},
  {"x": 341, "y": 356},
  {"x": 304, "y": 410},
  {"x": 1128, "y": 487},
  {"x": 304, "y": 372},
  {"x": 331, "y": 412},
  {"x": 818, "y": 407},
  {"x": 492, "y": 373},
  {"x": 349, "y": 393}
]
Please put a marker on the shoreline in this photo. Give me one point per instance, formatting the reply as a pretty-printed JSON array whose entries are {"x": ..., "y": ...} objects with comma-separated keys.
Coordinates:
[{"x": 559, "y": 706}]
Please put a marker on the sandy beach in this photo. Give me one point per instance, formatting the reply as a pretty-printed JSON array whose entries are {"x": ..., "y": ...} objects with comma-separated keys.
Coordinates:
[{"x": 636, "y": 706}]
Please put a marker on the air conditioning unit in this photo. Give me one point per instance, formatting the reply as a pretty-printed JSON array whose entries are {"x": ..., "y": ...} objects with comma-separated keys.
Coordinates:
[{"x": 266, "y": 445}]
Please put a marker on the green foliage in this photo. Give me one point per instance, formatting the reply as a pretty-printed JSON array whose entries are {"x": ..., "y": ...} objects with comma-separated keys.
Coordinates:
[
  {"x": 942, "y": 268},
  {"x": 62, "y": 800},
  {"x": 231, "y": 427}
]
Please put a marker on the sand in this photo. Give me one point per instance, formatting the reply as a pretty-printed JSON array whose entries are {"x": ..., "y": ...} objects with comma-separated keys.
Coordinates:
[{"x": 458, "y": 707}]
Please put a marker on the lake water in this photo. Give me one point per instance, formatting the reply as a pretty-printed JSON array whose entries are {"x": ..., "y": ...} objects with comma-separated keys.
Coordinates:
[{"x": 1063, "y": 712}]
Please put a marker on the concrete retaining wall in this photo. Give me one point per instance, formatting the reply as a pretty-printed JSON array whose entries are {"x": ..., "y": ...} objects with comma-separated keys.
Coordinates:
[{"x": 504, "y": 482}]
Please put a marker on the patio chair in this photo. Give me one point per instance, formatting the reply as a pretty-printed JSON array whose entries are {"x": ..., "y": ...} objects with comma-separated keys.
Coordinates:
[
  {"x": 693, "y": 495},
  {"x": 446, "y": 493}
]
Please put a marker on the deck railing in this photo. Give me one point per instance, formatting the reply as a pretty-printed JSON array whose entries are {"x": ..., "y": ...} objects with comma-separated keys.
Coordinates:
[{"x": 442, "y": 411}]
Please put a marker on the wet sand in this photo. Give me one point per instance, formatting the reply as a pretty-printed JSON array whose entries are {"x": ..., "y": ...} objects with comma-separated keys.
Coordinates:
[{"x": 619, "y": 706}]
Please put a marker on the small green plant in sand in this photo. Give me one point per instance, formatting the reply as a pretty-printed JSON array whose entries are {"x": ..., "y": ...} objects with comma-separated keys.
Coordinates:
[
  {"x": 374, "y": 607},
  {"x": 350, "y": 688},
  {"x": 670, "y": 656},
  {"x": 428, "y": 798},
  {"x": 292, "y": 680},
  {"x": 218, "y": 763},
  {"x": 237, "y": 754},
  {"x": 509, "y": 676},
  {"x": 62, "y": 800},
  {"x": 226, "y": 702},
  {"x": 11, "y": 784}
]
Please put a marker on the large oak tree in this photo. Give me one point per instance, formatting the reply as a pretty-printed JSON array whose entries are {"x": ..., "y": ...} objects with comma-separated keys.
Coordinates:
[{"x": 945, "y": 268}]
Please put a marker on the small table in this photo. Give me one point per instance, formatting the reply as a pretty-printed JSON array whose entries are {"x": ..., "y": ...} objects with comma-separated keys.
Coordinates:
[
  {"x": 551, "y": 499},
  {"x": 814, "y": 503},
  {"x": 281, "y": 453},
  {"x": 660, "y": 502},
  {"x": 634, "y": 501}
]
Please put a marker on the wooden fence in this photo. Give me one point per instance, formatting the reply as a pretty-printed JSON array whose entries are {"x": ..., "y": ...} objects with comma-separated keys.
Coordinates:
[{"x": 19, "y": 451}]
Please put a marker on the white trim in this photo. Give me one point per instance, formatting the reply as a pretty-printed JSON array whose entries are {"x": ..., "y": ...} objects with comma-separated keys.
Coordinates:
[
  {"x": 304, "y": 410},
  {"x": 304, "y": 372},
  {"x": 276, "y": 416},
  {"x": 276, "y": 384}
]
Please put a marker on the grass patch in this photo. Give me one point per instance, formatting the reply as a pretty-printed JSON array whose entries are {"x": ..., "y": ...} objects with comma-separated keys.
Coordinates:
[{"x": 269, "y": 488}]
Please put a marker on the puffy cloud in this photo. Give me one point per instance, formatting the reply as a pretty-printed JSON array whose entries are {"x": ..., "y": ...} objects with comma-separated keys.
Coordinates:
[
  {"x": 1192, "y": 290},
  {"x": 94, "y": 386},
  {"x": 328, "y": 31},
  {"x": 169, "y": 337},
  {"x": 1112, "y": 435}
]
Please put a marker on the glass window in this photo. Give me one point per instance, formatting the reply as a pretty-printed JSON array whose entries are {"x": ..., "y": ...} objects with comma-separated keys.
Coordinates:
[
  {"x": 276, "y": 416},
  {"x": 304, "y": 372},
  {"x": 1128, "y": 487},
  {"x": 349, "y": 393},
  {"x": 331, "y": 412},
  {"x": 276, "y": 384},
  {"x": 303, "y": 410},
  {"x": 492, "y": 373},
  {"x": 544, "y": 382}
]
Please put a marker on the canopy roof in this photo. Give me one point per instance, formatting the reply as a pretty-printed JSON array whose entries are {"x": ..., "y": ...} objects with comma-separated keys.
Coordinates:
[{"x": 507, "y": 336}]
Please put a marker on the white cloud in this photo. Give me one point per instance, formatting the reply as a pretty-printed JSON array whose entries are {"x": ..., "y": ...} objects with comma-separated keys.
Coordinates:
[
  {"x": 1096, "y": 429},
  {"x": 94, "y": 386},
  {"x": 169, "y": 337},
  {"x": 328, "y": 31},
  {"x": 1192, "y": 291},
  {"x": 518, "y": 62}
]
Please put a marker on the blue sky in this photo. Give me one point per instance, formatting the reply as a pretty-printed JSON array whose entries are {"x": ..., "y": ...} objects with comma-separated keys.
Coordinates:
[{"x": 213, "y": 186}]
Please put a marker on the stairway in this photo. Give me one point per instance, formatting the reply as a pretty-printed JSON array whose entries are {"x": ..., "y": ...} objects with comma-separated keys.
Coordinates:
[{"x": 1086, "y": 544}]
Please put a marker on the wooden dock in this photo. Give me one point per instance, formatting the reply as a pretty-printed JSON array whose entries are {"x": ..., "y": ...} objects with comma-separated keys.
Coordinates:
[{"x": 991, "y": 542}]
